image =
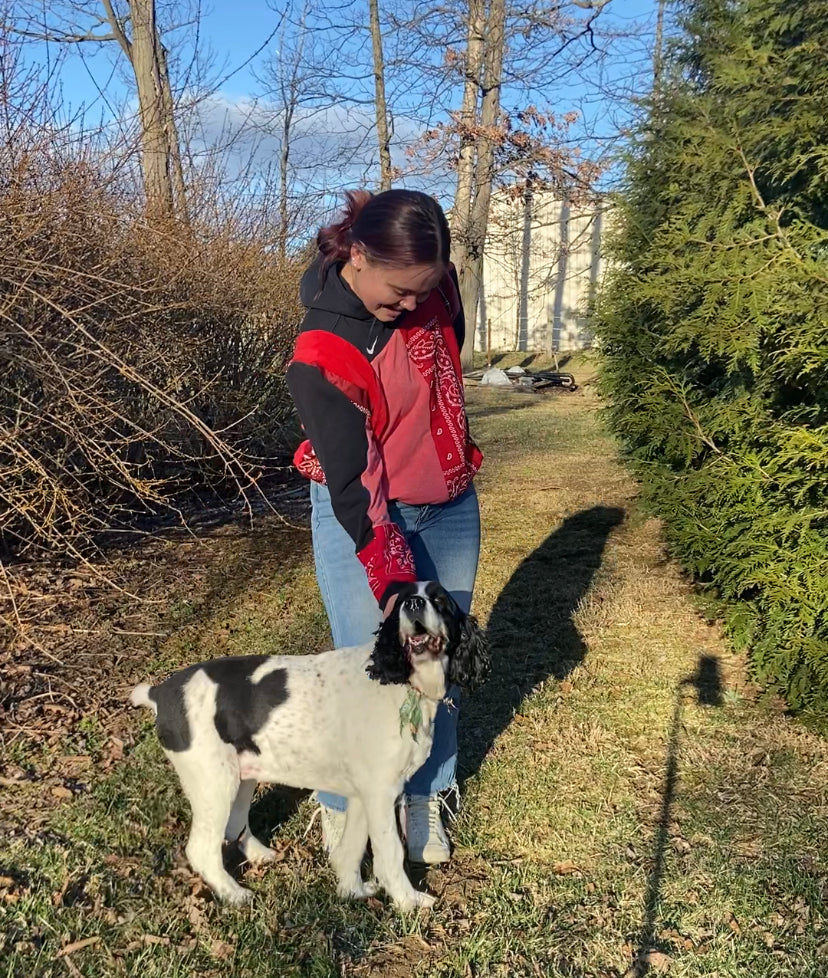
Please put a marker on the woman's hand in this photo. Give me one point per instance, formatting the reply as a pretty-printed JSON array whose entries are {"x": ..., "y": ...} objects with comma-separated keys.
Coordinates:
[{"x": 389, "y": 606}]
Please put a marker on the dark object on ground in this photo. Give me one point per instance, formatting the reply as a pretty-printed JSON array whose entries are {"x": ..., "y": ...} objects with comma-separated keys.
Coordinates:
[{"x": 543, "y": 380}]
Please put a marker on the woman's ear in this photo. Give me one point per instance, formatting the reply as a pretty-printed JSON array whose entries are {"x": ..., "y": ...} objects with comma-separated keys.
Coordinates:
[
  {"x": 357, "y": 257},
  {"x": 389, "y": 662},
  {"x": 470, "y": 662}
]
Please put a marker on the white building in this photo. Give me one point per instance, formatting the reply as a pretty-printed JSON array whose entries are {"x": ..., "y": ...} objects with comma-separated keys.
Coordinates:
[{"x": 542, "y": 264}]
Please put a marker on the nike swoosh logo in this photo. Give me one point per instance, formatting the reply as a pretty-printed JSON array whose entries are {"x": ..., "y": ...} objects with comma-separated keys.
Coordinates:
[{"x": 370, "y": 349}]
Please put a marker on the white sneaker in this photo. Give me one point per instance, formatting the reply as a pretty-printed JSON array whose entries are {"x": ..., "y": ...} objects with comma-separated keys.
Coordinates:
[
  {"x": 426, "y": 838},
  {"x": 333, "y": 827}
]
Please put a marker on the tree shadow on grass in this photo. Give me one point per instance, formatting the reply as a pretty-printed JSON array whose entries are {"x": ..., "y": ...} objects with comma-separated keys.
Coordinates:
[
  {"x": 530, "y": 629},
  {"x": 707, "y": 683}
]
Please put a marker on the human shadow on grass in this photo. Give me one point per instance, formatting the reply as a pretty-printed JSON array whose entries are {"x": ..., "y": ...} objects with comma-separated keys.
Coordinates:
[
  {"x": 531, "y": 632},
  {"x": 532, "y": 637}
]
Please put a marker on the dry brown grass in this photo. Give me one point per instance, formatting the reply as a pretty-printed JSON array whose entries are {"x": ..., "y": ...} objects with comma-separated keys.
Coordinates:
[
  {"x": 630, "y": 803},
  {"x": 628, "y": 752}
]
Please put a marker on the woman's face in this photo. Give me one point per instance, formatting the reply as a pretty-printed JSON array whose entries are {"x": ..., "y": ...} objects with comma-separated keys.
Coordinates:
[{"x": 387, "y": 291}]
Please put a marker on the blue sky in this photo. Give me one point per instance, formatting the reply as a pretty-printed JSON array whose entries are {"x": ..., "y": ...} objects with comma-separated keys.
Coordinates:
[
  {"x": 230, "y": 34},
  {"x": 233, "y": 32}
]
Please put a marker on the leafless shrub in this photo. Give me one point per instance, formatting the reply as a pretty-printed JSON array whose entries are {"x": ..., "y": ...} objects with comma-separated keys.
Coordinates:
[{"x": 137, "y": 363}]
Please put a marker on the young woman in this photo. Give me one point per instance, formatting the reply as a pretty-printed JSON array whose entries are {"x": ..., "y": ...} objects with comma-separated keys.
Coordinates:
[{"x": 377, "y": 382}]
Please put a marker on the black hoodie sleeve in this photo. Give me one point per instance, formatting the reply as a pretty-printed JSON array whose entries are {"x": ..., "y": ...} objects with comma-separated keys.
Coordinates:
[{"x": 337, "y": 430}]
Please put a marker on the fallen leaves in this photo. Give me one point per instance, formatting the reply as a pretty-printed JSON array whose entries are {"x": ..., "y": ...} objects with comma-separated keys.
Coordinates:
[
  {"x": 565, "y": 868},
  {"x": 12, "y": 888},
  {"x": 197, "y": 906},
  {"x": 657, "y": 960},
  {"x": 222, "y": 950}
]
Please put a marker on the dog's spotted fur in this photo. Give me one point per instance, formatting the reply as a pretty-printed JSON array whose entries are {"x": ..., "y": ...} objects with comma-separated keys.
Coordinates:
[{"x": 330, "y": 721}]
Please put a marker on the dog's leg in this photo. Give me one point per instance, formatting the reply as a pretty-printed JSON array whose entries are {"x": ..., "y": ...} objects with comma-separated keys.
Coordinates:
[
  {"x": 211, "y": 790},
  {"x": 388, "y": 853},
  {"x": 346, "y": 858},
  {"x": 238, "y": 827}
]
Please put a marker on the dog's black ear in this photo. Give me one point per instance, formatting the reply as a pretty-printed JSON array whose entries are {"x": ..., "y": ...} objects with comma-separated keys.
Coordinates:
[
  {"x": 389, "y": 662},
  {"x": 470, "y": 663}
]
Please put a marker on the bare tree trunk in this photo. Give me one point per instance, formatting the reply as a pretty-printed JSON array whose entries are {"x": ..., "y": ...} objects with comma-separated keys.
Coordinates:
[
  {"x": 658, "y": 47},
  {"x": 142, "y": 51},
  {"x": 525, "y": 267},
  {"x": 475, "y": 236},
  {"x": 171, "y": 129},
  {"x": 284, "y": 158},
  {"x": 552, "y": 343},
  {"x": 461, "y": 210},
  {"x": 155, "y": 147},
  {"x": 289, "y": 101},
  {"x": 383, "y": 135},
  {"x": 290, "y": 83}
]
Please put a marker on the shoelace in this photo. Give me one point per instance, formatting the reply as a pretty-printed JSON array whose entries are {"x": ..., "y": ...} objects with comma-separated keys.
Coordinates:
[
  {"x": 450, "y": 801},
  {"x": 446, "y": 803},
  {"x": 434, "y": 818}
]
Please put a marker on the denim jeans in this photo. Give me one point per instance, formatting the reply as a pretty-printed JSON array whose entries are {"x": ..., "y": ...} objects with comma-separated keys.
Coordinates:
[{"x": 445, "y": 542}]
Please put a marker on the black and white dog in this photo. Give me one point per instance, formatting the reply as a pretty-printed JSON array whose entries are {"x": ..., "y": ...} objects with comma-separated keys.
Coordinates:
[{"x": 357, "y": 722}]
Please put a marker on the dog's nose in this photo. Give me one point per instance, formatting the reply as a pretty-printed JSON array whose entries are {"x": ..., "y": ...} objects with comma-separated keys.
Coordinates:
[{"x": 414, "y": 603}]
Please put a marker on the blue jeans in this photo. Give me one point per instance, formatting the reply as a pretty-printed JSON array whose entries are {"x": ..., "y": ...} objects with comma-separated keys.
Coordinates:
[{"x": 445, "y": 542}]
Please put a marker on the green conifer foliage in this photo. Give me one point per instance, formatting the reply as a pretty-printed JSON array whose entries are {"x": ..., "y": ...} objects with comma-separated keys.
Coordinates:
[{"x": 714, "y": 323}]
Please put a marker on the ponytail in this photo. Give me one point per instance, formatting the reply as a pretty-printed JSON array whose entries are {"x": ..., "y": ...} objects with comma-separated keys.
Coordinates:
[{"x": 335, "y": 240}]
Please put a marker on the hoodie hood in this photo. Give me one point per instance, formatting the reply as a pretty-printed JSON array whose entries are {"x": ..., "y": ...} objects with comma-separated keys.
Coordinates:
[{"x": 331, "y": 293}]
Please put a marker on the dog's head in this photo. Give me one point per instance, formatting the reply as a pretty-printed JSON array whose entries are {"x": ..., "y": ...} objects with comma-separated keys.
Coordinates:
[{"x": 425, "y": 628}]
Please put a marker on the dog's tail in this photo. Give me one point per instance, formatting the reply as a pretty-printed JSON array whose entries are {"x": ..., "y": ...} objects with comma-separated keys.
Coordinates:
[{"x": 140, "y": 696}]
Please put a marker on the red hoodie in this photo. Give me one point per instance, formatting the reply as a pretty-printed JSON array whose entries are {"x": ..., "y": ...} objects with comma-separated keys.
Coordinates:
[{"x": 383, "y": 407}]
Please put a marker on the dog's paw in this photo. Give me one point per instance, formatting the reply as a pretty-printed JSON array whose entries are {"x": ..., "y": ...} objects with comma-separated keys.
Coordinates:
[
  {"x": 368, "y": 889},
  {"x": 415, "y": 900},
  {"x": 257, "y": 852},
  {"x": 236, "y": 896},
  {"x": 358, "y": 891}
]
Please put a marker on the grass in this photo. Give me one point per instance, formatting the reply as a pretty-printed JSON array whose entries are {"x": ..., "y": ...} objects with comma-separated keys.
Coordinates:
[{"x": 631, "y": 804}]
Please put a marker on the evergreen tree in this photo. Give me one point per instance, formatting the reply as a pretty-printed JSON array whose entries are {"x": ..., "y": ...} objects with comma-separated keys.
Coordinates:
[{"x": 714, "y": 323}]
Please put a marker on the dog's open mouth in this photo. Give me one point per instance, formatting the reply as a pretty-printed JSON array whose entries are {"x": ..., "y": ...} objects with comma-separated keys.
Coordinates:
[{"x": 425, "y": 643}]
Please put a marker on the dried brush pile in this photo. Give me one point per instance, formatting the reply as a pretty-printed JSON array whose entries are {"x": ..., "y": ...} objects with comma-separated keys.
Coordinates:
[{"x": 137, "y": 364}]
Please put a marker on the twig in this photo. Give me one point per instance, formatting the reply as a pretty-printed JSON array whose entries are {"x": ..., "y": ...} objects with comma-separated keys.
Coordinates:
[
  {"x": 11, "y": 596},
  {"x": 77, "y": 946},
  {"x": 123, "y": 631},
  {"x": 63, "y": 629},
  {"x": 74, "y": 970}
]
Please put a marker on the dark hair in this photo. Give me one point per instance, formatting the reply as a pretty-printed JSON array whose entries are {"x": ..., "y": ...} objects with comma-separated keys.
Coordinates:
[{"x": 396, "y": 227}]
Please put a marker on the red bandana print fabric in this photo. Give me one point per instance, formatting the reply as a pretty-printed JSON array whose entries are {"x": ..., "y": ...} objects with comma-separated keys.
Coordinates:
[
  {"x": 387, "y": 558},
  {"x": 429, "y": 351},
  {"x": 307, "y": 464}
]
